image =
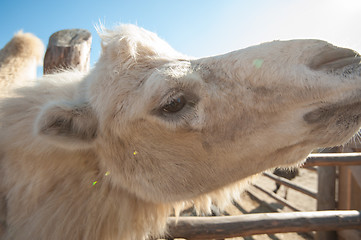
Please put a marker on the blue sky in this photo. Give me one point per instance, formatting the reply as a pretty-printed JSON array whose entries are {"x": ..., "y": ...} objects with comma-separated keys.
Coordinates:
[{"x": 196, "y": 28}]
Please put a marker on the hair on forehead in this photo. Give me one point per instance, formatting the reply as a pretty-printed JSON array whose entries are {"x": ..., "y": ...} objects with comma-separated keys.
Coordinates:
[{"x": 136, "y": 42}]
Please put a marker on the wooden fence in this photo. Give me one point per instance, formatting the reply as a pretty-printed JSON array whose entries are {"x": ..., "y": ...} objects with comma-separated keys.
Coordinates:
[
  {"x": 71, "y": 49},
  {"x": 250, "y": 224},
  {"x": 262, "y": 223}
]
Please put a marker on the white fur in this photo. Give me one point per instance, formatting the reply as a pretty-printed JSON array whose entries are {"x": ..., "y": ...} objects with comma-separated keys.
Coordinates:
[{"x": 96, "y": 157}]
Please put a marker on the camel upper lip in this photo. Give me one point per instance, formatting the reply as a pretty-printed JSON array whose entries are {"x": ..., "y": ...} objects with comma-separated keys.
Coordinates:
[{"x": 335, "y": 58}]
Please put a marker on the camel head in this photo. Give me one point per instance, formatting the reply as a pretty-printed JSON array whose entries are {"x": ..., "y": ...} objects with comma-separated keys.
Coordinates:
[{"x": 169, "y": 127}]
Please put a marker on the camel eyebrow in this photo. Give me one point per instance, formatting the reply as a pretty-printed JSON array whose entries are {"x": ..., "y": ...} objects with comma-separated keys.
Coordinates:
[
  {"x": 176, "y": 92},
  {"x": 172, "y": 93}
]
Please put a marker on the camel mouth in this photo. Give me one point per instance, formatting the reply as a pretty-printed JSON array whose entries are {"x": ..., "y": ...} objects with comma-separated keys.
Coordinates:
[
  {"x": 335, "y": 58},
  {"x": 340, "y": 113},
  {"x": 341, "y": 121},
  {"x": 335, "y": 124}
]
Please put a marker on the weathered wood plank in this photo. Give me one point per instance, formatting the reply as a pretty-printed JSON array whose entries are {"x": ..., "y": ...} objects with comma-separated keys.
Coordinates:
[
  {"x": 344, "y": 186},
  {"x": 326, "y": 194},
  {"x": 349, "y": 196},
  {"x": 333, "y": 159},
  {"x": 68, "y": 49},
  {"x": 265, "y": 223},
  {"x": 326, "y": 188}
]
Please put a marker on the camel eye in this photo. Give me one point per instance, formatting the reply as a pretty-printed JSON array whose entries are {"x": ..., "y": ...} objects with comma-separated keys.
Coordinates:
[{"x": 175, "y": 105}]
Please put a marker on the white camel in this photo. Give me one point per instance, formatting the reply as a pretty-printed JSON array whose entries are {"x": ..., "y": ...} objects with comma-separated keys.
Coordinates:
[{"x": 107, "y": 155}]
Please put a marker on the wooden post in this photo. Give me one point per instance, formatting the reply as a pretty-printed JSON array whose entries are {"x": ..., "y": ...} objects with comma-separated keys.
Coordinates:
[
  {"x": 349, "y": 196},
  {"x": 344, "y": 193},
  {"x": 326, "y": 196},
  {"x": 326, "y": 192},
  {"x": 68, "y": 49}
]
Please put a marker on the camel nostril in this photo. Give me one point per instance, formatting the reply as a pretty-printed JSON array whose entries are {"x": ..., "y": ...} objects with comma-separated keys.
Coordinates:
[{"x": 332, "y": 58}]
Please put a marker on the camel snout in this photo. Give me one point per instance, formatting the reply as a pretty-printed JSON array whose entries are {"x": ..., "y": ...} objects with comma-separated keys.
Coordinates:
[{"x": 333, "y": 58}]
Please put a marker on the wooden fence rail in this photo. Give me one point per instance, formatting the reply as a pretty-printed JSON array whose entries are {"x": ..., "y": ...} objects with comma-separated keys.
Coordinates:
[
  {"x": 263, "y": 223},
  {"x": 333, "y": 159}
]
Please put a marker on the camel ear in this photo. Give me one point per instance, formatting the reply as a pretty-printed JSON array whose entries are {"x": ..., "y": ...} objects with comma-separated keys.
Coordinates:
[{"x": 67, "y": 124}]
